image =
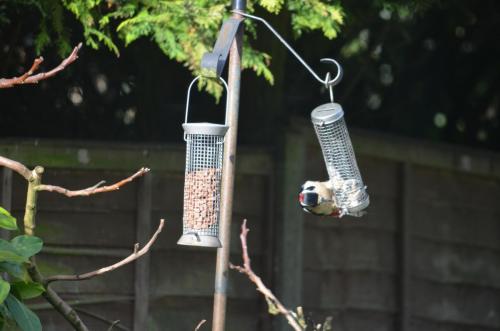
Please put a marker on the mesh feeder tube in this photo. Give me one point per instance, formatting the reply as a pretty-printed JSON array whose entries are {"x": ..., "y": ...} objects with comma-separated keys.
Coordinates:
[
  {"x": 348, "y": 189},
  {"x": 202, "y": 182}
]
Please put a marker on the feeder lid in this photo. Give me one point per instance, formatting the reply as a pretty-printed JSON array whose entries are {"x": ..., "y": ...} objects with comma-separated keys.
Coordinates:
[
  {"x": 205, "y": 128},
  {"x": 327, "y": 113}
]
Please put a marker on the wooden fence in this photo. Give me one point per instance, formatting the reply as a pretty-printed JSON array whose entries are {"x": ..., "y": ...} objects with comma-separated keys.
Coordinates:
[
  {"x": 426, "y": 257},
  {"x": 172, "y": 288}
]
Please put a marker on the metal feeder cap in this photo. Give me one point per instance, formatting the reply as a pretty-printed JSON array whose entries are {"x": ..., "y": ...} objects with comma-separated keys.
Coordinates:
[
  {"x": 205, "y": 128},
  {"x": 327, "y": 113}
]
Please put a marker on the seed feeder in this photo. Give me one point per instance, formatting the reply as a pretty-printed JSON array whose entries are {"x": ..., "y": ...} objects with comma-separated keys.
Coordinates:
[{"x": 202, "y": 183}]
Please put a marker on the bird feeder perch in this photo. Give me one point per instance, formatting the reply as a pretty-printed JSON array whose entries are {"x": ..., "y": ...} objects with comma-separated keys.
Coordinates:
[{"x": 202, "y": 184}]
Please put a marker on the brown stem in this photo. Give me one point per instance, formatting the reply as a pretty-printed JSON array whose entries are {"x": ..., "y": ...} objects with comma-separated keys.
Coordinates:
[
  {"x": 97, "y": 188},
  {"x": 261, "y": 287},
  {"x": 29, "y": 228},
  {"x": 112, "y": 324},
  {"x": 34, "y": 179},
  {"x": 132, "y": 257},
  {"x": 57, "y": 302},
  {"x": 199, "y": 325},
  {"x": 29, "y": 78},
  {"x": 15, "y": 166}
]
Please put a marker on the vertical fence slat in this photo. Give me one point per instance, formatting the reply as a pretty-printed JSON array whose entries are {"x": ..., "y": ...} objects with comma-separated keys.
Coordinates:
[
  {"x": 404, "y": 291},
  {"x": 290, "y": 232},
  {"x": 6, "y": 198},
  {"x": 141, "y": 303}
]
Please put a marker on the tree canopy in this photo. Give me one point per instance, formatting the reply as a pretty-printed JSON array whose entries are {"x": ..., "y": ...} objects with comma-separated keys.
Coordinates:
[{"x": 421, "y": 68}]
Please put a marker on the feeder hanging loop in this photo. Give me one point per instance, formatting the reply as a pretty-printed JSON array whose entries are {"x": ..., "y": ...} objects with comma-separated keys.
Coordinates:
[{"x": 188, "y": 99}]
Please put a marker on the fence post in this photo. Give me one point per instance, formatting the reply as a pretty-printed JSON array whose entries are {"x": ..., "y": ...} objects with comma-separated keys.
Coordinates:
[
  {"x": 6, "y": 198},
  {"x": 143, "y": 233},
  {"x": 404, "y": 233},
  {"x": 290, "y": 230}
]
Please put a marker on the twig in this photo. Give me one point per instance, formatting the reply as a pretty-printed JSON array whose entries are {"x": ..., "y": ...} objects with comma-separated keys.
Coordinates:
[
  {"x": 117, "y": 324},
  {"x": 16, "y": 166},
  {"x": 112, "y": 324},
  {"x": 199, "y": 325},
  {"x": 97, "y": 188},
  {"x": 261, "y": 287},
  {"x": 50, "y": 295},
  {"x": 134, "y": 256},
  {"x": 29, "y": 78}
]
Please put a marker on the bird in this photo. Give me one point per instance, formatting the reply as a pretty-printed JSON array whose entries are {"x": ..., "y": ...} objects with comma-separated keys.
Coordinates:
[{"x": 317, "y": 198}]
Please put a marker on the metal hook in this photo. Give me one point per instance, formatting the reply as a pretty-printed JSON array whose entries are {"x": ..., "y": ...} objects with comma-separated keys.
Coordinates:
[
  {"x": 338, "y": 77},
  {"x": 329, "y": 87},
  {"x": 327, "y": 82}
]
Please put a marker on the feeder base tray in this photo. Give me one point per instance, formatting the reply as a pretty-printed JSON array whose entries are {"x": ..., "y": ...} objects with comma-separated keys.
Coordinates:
[{"x": 192, "y": 239}]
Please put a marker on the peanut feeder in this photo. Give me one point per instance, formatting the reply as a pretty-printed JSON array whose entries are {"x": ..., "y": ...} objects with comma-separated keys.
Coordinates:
[
  {"x": 348, "y": 188},
  {"x": 202, "y": 183}
]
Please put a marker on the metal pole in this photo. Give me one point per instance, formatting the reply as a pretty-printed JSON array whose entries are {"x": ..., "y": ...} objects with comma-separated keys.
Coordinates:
[{"x": 221, "y": 271}]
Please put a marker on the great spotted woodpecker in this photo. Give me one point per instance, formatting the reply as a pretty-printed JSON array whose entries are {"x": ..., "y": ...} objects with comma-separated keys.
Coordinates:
[{"x": 317, "y": 198}]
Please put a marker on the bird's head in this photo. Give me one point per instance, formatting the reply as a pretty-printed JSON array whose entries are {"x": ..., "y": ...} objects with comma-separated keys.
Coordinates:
[
  {"x": 309, "y": 196},
  {"x": 317, "y": 198}
]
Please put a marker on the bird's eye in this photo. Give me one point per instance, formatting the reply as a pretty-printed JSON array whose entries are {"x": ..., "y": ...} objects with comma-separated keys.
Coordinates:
[{"x": 309, "y": 188}]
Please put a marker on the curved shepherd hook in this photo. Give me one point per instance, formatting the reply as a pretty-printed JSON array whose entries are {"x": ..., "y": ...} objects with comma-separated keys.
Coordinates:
[{"x": 329, "y": 83}]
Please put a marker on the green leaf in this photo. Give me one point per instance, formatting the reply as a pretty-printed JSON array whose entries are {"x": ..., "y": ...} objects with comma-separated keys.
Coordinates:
[
  {"x": 4, "y": 290},
  {"x": 16, "y": 270},
  {"x": 28, "y": 290},
  {"x": 24, "y": 317},
  {"x": 6, "y": 220},
  {"x": 9, "y": 254},
  {"x": 6, "y": 316},
  {"x": 27, "y": 246}
]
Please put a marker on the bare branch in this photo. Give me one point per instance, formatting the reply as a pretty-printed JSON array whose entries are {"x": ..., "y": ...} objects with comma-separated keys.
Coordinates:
[
  {"x": 29, "y": 78},
  {"x": 97, "y": 188},
  {"x": 271, "y": 299},
  {"x": 112, "y": 324},
  {"x": 132, "y": 257},
  {"x": 56, "y": 301},
  {"x": 16, "y": 166},
  {"x": 199, "y": 325}
]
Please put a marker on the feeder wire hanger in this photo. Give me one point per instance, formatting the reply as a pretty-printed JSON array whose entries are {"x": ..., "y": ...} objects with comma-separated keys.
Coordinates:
[{"x": 327, "y": 82}]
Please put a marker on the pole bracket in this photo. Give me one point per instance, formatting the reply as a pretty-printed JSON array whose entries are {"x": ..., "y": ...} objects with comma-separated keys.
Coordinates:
[{"x": 212, "y": 63}]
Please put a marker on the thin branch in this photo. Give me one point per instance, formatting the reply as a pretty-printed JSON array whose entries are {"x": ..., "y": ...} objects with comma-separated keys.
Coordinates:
[
  {"x": 29, "y": 78},
  {"x": 29, "y": 229},
  {"x": 261, "y": 287},
  {"x": 199, "y": 325},
  {"x": 132, "y": 257},
  {"x": 16, "y": 166},
  {"x": 112, "y": 324},
  {"x": 97, "y": 188},
  {"x": 117, "y": 324},
  {"x": 56, "y": 301}
]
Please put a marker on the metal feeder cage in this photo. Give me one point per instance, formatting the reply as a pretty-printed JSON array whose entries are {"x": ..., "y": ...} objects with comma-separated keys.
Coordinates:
[
  {"x": 349, "y": 191},
  {"x": 202, "y": 183}
]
